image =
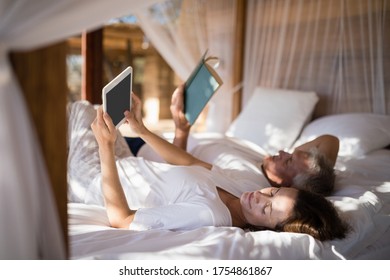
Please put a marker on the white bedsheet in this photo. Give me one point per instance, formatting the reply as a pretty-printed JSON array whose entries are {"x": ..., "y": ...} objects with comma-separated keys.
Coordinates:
[{"x": 362, "y": 195}]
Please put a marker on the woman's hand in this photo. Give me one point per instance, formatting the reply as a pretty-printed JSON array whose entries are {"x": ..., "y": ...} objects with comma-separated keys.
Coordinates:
[
  {"x": 104, "y": 129},
  {"x": 134, "y": 116},
  {"x": 177, "y": 110}
]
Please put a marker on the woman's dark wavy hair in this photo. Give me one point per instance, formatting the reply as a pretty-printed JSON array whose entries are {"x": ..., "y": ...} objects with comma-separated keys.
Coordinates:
[{"x": 315, "y": 215}]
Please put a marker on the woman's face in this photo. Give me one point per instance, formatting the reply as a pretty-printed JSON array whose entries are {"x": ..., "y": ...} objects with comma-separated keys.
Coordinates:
[{"x": 269, "y": 206}]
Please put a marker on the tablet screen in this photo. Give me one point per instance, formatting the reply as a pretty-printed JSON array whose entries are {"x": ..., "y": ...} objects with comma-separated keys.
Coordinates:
[{"x": 118, "y": 99}]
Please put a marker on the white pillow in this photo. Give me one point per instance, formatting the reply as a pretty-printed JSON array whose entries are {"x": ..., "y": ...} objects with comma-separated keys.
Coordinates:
[
  {"x": 274, "y": 118},
  {"x": 359, "y": 133}
]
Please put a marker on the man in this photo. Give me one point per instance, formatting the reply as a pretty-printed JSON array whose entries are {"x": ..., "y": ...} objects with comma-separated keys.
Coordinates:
[{"x": 309, "y": 166}]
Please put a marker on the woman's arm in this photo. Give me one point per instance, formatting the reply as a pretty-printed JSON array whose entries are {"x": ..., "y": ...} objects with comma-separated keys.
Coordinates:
[
  {"x": 327, "y": 145},
  {"x": 118, "y": 211},
  {"x": 169, "y": 152}
]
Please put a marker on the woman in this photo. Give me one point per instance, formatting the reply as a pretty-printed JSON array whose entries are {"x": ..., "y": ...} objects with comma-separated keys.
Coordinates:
[{"x": 186, "y": 193}]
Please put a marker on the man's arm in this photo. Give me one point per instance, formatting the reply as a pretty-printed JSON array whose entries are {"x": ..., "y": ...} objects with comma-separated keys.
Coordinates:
[
  {"x": 169, "y": 152},
  {"x": 182, "y": 126},
  {"x": 327, "y": 145},
  {"x": 118, "y": 211}
]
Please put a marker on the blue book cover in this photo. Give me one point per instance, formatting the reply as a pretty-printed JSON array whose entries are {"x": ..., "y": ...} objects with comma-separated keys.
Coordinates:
[{"x": 199, "y": 88}]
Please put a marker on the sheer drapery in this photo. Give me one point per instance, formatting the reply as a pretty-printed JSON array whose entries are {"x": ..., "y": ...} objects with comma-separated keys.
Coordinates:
[
  {"x": 337, "y": 48},
  {"x": 181, "y": 30},
  {"x": 29, "y": 225}
]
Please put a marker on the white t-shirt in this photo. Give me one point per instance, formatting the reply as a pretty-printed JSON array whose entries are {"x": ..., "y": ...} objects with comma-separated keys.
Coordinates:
[{"x": 168, "y": 196}]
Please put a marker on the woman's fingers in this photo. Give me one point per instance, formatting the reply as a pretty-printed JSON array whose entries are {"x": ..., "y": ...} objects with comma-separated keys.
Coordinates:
[
  {"x": 96, "y": 120},
  {"x": 103, "y": 127},
  {"x": 137, "y": 108},
  {"x": 134, "y": 116},
  {"x": 108, "y": 122}
]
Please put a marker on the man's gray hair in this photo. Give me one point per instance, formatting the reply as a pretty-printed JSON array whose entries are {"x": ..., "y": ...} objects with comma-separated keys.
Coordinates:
[{"x": 319, "y": 177}]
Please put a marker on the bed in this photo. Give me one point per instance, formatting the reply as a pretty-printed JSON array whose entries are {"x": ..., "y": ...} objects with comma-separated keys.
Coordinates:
[{"x": 361, "y": 195}]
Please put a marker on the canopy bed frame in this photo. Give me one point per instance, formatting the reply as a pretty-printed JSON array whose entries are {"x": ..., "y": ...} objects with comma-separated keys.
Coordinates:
[{"x": 41, "y": 73}]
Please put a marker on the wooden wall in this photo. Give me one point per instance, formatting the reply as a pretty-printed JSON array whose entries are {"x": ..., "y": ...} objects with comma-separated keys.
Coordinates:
[
  {"x": 42, "y": 76},
  {"x": 239, "y": 56}
]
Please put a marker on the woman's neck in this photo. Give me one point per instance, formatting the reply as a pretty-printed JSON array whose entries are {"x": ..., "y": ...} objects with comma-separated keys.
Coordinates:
[{"x": 234, "y": 206}]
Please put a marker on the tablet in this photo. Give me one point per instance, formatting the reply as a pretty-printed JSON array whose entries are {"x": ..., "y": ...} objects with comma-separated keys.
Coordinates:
[{"x": 116, "y": 96}]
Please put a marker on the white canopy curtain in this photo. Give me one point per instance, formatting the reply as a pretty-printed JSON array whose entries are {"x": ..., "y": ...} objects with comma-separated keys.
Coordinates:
[
  {"x": 181, "y": 30},
  {"x": 334, "y": 47},
  {"x": 29, "y": 225}
]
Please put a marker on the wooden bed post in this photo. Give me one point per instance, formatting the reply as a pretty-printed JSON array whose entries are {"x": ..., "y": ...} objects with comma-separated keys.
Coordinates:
[
  {"x": 43, "y": 79},
  {"x": 238, "y": 60},
  {"x": 92, "y": 78}
]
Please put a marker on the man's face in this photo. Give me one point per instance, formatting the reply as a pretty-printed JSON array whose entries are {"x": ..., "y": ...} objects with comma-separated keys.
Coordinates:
[{"x": 281, "y": 169}]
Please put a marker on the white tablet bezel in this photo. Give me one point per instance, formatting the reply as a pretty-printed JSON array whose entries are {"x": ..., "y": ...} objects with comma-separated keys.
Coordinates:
[{"x": 125, "y": 73}]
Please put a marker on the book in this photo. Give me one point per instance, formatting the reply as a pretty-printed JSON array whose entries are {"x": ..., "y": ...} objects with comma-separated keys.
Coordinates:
[{"x": 201, "y": 85}]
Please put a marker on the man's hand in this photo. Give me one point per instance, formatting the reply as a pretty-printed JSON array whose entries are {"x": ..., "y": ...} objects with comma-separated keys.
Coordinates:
[
  {"x": 327, "y": 145},
  {"x": 182, "y": 126},
  {"x": 177, "y": 110}
]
